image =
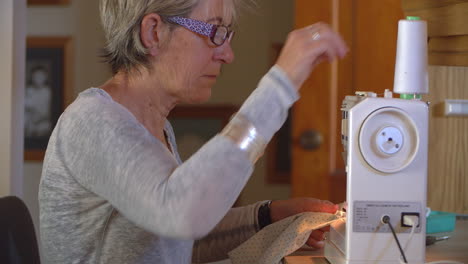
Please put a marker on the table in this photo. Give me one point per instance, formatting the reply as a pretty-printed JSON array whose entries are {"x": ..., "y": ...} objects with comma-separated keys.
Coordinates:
[{"x": 454, "y": 249}]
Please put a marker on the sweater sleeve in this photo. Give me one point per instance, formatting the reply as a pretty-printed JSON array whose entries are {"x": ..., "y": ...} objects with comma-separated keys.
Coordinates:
[
  {"x": 237, "y": 226},
  {"x": 112, "y": 155}
]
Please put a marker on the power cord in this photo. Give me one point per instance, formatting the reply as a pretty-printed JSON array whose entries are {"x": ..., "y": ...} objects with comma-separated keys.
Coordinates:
[
  {"x": 410, "y": 220},
  {"x": 386, "y": 220}
]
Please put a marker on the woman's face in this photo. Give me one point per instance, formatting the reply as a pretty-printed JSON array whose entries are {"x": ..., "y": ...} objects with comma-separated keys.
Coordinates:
[{"x": 190, "y": 63}]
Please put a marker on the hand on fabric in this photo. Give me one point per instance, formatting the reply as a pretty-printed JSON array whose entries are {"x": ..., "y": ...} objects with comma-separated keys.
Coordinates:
[
  {"x": 307, "y": 47},
  {"x": 281, "y": 209}
]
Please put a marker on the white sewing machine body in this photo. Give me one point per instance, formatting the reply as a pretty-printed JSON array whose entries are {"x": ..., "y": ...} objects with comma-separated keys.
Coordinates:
[{"x": 385, "y": 141}]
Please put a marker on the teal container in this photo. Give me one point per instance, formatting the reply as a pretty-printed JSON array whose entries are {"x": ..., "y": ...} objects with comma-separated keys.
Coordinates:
[{"x": 438, "y": 222}]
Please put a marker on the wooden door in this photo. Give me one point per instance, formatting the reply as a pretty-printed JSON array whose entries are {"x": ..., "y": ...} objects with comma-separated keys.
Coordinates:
[{"x": 370, "y": 29}]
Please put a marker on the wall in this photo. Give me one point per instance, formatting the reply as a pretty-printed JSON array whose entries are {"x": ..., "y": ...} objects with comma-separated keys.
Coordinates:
[
  {"x": 12, "y": 44},
  {"x": 267, "y": 23},
  {"x": 79, "y": 20},
  {"x": 448, "y": 141}
]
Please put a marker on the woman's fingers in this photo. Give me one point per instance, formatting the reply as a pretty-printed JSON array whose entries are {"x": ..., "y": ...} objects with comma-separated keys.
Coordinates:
[
  {"x": 337, "y": 41},
  {"x": 280, "y": 209},
  {"x": 316, "y": 239},
  {"x": 307, "y": 47},
  {"x": 318, "y": 235},
  {"x": 339, "y": 46},
  {"x": 316, "y": 205},
  {"x": 315, "y": 244},
  {"x": 333, "y": 43}
]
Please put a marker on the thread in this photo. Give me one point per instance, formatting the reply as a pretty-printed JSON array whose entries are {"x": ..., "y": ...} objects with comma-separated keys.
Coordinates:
[{"x": 411, "y": 75}]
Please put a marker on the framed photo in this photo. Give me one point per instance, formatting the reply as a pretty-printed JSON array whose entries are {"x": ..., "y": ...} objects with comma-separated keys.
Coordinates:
[
  {"x": 48, "y": 2},
  {"x": 195, "y": 125},
  {"x": 47, "y": 90}
]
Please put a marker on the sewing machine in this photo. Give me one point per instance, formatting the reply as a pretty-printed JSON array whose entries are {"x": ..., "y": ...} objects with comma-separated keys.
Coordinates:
[{"x": 385, "y": 150}]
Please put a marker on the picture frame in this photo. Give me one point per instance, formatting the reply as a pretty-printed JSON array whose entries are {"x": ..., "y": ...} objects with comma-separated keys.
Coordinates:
[
  {"x": 47, "y": 90},
  {"x": 48, "y": 2},
  {"x": 195, "y": 125}
]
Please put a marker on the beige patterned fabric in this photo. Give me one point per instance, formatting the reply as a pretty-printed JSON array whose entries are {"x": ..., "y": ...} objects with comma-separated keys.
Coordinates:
[{"x": 280, "y": 239}]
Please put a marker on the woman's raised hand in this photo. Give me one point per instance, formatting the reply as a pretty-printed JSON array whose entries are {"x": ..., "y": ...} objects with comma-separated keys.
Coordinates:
[{"x": 307, "y": 47}]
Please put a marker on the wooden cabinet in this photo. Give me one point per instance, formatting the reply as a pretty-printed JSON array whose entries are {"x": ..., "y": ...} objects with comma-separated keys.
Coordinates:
[{"x": 447, "y": 22}]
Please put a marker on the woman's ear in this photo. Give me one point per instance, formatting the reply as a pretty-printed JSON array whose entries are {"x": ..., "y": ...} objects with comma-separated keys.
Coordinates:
[{"x": 151, "y": 33}]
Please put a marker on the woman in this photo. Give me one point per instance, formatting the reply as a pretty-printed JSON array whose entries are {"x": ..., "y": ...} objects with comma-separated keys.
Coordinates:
[{"x": 114, "y": 189}]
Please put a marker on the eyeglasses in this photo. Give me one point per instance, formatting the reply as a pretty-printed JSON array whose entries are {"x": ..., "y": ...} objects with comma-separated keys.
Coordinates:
[{"x": 217, "y": 33}]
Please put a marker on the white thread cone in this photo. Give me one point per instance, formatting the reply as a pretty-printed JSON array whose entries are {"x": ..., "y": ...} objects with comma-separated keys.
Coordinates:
[{"x": 411, "y": 75}]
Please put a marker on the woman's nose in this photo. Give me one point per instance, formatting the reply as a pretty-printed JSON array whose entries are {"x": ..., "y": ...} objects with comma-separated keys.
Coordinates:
[{"x": 225, "y": 54}]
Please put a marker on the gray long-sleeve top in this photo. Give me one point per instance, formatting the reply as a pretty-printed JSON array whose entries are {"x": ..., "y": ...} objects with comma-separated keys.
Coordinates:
[{"x": 111, "y": 192}]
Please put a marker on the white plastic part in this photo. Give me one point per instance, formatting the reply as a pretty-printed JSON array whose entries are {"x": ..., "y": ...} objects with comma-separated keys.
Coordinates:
[
  {"x": 366, "y": 94},
  {"x": 410, "y": 220},
  {"x": 381, "y": 155},
  {"x": 411, "y": 75},
  {"x": 456, "y": 107},
  {"x": 388, "y": 94},
  {"x": 389, "y": 140}
]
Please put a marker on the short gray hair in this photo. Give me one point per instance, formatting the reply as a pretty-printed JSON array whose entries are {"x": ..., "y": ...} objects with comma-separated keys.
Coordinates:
[{"x": 121, "y": 21}]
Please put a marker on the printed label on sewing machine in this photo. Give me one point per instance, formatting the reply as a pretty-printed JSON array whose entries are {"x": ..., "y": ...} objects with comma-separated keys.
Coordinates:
[{"x": 367, "y": 216}]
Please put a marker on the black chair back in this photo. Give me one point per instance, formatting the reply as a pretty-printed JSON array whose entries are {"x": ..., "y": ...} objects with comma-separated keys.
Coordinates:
[{"x": 18, "y": 242}]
